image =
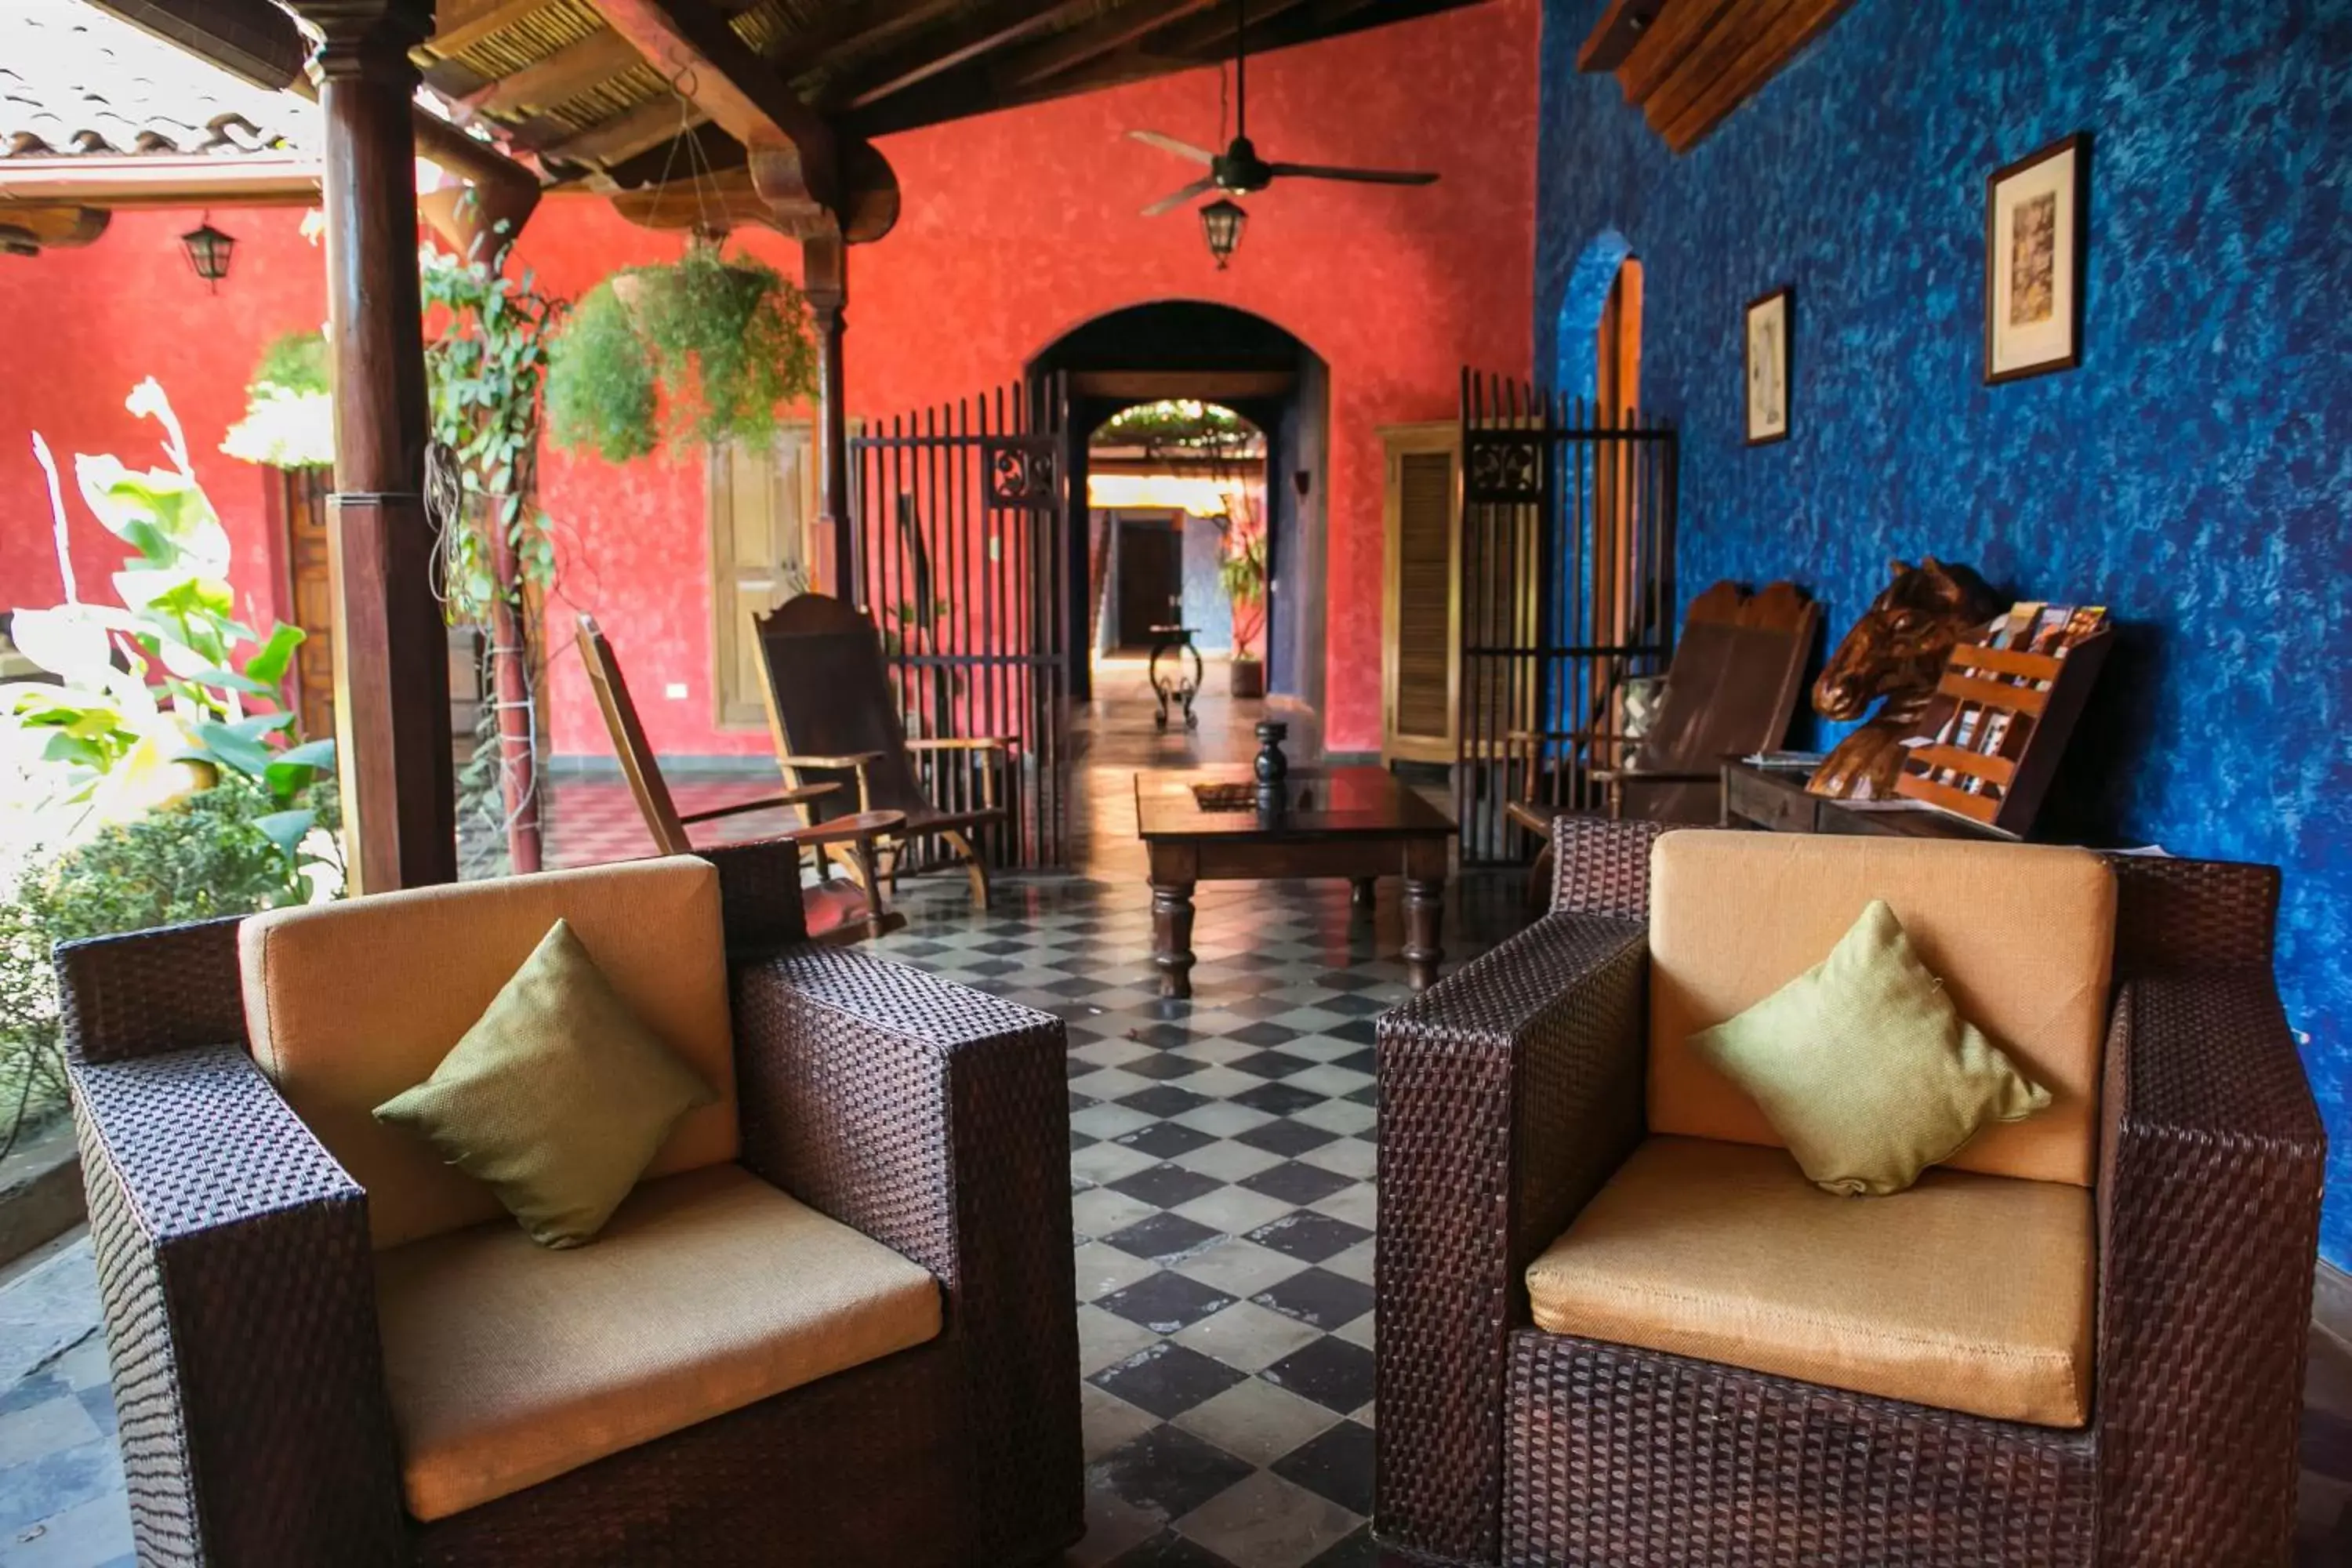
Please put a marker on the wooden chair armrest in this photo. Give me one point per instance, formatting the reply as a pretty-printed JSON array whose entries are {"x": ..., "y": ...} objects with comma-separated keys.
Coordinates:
[
  {"x": 814, "y": 760},
  {"x": 961, "y": 743},
  {"x": 765, "y": 802},
  {"x": 849, "y": 829},
  {"x": 1654, "y": 776}
]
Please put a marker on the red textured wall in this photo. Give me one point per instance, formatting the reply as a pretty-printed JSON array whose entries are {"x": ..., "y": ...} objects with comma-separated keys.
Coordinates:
[
  {"x": 1018, "y": 227},
  {"x": 79, "y": 329}
]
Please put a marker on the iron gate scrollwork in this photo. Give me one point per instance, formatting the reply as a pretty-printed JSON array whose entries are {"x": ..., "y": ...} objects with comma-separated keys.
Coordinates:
[
  {"x": 1567, "y": 574},
  {"x": 963, "y": 518}
]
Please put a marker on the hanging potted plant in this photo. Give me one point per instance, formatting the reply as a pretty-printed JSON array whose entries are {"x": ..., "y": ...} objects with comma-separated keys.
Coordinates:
[
  {"x": 1241, "y": 573},
  {"x": 697, "y": 352}
]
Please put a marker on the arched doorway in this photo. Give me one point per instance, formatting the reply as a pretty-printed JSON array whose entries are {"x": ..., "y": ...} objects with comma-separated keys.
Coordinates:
[{"x": 1190, "y": 349}]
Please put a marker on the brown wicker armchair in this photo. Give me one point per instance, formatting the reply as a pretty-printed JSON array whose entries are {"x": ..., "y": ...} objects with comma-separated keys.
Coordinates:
[
  {"x": 1513, "y": 1093},
  {"x": 253, "y": 1325}
]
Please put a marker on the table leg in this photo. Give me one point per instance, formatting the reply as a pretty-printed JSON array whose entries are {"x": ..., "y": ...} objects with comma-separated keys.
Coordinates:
[
  {"x": 1171, "y": 937},
  {"x": 1363, "y": 891},
  {"x": 1424, "y": 907}
]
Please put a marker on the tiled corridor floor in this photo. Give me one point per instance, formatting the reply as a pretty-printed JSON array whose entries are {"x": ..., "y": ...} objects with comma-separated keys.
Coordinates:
[{"x": 1221, "y": 1165}]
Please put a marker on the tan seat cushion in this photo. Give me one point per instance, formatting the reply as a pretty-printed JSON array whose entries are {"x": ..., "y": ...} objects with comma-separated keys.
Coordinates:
[
  {"x": 1966, "y": 1292},
  {"x": 2022, "y": 935},
  {"x": 350, "y": 1003},
  {"x": 509, "y": 1363}
]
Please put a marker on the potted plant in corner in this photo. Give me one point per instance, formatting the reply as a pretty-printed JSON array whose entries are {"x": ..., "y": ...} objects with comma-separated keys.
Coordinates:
[
  {"x": 1243, "y": 574},
  {"x": 697, "y": 352}
]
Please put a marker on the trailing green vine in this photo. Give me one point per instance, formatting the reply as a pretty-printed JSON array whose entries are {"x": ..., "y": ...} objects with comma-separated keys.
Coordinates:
[
  {"x": 484, "y": 366},
  {"x": 700, "y": 352}
]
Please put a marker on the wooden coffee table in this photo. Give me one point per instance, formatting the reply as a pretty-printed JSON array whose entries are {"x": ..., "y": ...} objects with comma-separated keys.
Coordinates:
[{"x": 1357, "y": 823}]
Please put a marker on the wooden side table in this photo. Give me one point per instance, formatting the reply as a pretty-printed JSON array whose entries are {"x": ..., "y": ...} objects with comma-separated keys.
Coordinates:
[
  {"x": 1357, "y": 823},
  {"x": 1776, "y": 798}
]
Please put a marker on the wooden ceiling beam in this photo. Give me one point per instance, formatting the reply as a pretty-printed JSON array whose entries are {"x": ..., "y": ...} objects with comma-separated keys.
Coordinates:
[
  {"x": 139, "y": 181},
  {"x": 1672, "y": 35},
  {"x": 988, "y": 29},
  {"x": 848, "y": 29},
  {"x": 1084, "y": 45},
  {"x": 1214, "y": 34},
  {"x": 794, "y": 159},
  {"x": 27, "y": 230},
  {"x": 625, "y": 135},
  {"x": 564, "y": 75},
  {"x": 1613, "y": 36},
  {"x": 462, "y": 24},
  {"x": 977, "y": 90},
  {"x": 1688, "y": 64},
  {"x": 1796, "y": 25},
  {"x": 1703, "y": 66}
]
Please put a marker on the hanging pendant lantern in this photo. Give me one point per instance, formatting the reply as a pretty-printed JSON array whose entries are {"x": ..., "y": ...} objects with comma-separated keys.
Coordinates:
[
  {"x": 1221, "y": 224},
  {"x": 209, "y": 252}
]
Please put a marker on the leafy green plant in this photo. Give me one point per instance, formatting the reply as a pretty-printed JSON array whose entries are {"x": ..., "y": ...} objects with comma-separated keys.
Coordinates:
[
  {"x": 484, "y": 364},
  {"x": 211, "y": 853},
  {"x": 289, "y": 412},
  {"x": 169, "y": 692},
  {"x": 1241, "y": 572},
  {"x": 699, "y": 352}
]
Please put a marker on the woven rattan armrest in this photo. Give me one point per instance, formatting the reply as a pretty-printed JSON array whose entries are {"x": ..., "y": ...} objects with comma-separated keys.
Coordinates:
[
  {"x": 239, "y": 1294},
  {"x": 936, "y": 1120},
  {"x": 2212, "y": 1167},
  {"x": 1510, "y": 1093}
]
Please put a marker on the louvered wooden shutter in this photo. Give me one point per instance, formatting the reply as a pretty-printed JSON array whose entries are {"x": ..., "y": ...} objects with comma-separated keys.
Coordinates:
[
  {"x": 761, "y": 498},
  {"x": 1419, "y": 658}
]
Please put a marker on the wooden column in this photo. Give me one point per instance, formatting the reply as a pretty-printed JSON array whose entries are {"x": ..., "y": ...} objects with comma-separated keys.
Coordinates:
[
  {"x": 824, "y": 279},
  {"x": 392, "y": 665}
]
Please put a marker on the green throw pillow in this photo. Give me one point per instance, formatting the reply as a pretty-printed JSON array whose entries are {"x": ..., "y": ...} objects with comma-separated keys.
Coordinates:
[
  {"x": 558, "y": 1096},
  {"x": 1864, "y": 1065}
]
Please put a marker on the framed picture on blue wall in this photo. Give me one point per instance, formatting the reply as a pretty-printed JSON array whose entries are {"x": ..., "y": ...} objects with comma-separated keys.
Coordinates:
[
  {"x": 2034, "y": 246},
  {"x": 1769, "y": 319}
]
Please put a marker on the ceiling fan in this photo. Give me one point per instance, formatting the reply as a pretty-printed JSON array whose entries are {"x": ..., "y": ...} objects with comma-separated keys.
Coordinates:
[{"x": 1238, "y": 170}]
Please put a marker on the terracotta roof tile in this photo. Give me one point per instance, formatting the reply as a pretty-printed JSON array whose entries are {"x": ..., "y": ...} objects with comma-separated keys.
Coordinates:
[{"x": 75, "y": 82}]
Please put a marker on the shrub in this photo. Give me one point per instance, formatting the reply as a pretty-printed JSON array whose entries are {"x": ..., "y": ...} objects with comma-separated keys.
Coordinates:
[{"x": 205, "y": 855}]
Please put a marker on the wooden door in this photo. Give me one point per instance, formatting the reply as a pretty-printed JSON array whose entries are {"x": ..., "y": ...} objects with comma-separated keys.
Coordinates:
[
  {"x": 309, "y": 597},
  {"x": 1150, "y": 577},
  {"x": 1420, "y": 597},
  {"x": 762, "y": 504}
]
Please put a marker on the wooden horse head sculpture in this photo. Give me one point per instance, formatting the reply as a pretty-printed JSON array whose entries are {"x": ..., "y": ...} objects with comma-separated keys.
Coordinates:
[{"x": 1895, "y": 651}]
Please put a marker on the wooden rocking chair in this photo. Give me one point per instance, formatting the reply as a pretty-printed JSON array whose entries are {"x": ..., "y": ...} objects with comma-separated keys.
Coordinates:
[
  {"x": 836, "y": 722},
  {"x": 835, "y": 911}
]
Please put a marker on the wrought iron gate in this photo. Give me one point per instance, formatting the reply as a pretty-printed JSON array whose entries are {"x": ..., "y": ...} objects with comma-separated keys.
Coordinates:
[
  {"x": 1567, "y": 594},
  {"x": 963, "y": 541}
]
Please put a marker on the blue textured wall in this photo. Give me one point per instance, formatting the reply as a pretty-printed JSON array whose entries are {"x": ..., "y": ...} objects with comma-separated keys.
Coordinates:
[{"x": 2195, "y": 474}]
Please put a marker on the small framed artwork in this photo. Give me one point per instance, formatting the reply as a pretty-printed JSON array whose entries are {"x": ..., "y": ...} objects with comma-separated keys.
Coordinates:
[
  {"x": 1768, "y": 321},
  {"x": 2033, "y": 261}
]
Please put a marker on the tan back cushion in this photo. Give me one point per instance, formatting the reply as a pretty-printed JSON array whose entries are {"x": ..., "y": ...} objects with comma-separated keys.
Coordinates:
[
  {"x": 350, "y": 1003},
  {"x": 2022, "y": 935}
]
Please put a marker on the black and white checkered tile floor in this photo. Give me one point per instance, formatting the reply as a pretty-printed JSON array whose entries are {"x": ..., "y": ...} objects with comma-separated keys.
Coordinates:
[{"x": 1222, "y": 1194}]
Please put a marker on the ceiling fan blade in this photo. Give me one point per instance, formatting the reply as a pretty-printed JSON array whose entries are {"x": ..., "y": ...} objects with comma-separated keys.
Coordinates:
[
  {"x": 1170, "y": 144},
  {"x": 1361, "y": 176},
  {"x": 1200, "y": 186}
]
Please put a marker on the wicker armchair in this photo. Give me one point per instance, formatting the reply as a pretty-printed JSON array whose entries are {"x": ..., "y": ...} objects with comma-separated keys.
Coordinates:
[
  {"x": 241, "y": 1279},
  {"x": 1512, "y": 1093}
]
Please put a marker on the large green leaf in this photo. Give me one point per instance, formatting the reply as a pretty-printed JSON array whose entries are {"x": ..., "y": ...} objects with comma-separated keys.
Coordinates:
[
  {"x": 224, "y": 745},
  {"x": 295, "y": 769},
  {"x": 269, "y": 665},
  {"x": 286, "y": 829}
]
